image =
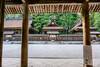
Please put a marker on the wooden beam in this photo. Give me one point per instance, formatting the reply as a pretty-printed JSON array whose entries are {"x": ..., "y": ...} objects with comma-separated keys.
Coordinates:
[
  {"x": 59, "y": 1},
  {"x": 87, "y": 49},
  {"x": 2, "y": 6},
  {"x": 47, "y": 1},
  {"x": 24, "y": 47}
]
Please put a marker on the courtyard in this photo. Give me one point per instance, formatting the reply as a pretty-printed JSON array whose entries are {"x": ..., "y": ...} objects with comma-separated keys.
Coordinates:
[
  {"x": 49, "y": 55},
  {"x": 49, "y": 33}
]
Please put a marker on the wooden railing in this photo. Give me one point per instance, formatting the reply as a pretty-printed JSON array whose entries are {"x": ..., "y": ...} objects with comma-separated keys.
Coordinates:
[{"x": 40, "y": 37}]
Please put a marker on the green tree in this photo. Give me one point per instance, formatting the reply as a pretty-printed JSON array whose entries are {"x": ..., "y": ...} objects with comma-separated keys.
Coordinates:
[{"x": 97, "y": 20}]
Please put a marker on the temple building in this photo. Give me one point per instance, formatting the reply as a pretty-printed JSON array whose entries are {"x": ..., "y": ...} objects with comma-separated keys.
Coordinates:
[
  {"x": 13, "y": 27},
  {"x": 77, "y": 29},
  {"x": 52, "y": 27}
]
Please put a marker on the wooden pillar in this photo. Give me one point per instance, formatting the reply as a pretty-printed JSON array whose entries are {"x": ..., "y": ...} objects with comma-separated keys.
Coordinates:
[
  {"x": 24, "y": 47},
  {"x": 87, "y": 48},
  {"x": 2, "y": 6}
]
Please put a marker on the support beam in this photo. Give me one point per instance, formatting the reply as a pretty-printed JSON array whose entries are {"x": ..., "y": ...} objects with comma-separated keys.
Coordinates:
[
  {"x": 24, "y": 47},
  {"x": 2, "y": 6},
  {"x": 86, "y": 35}
]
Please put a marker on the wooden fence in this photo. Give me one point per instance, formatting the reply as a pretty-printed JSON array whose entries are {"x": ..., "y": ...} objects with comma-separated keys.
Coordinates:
[{"x": 39, "y": 37}]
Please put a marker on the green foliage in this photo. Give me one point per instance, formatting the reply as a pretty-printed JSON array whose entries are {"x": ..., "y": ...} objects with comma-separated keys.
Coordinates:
[
  {"x": 39, "y": 21},
  {"x": 95, "y": 20},
  {"x": 66, "y": 20},
  {"x": 92, "y": 19}
]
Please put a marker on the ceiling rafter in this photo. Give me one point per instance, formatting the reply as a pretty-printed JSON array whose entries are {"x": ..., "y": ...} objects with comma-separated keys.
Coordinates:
[{"x": 61, "y": 7}]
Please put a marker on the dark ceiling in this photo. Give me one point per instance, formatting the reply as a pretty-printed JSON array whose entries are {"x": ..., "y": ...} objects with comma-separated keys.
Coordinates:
[
  {"x": 47, "y": 1},
  {"x": 13, "y": 1}
]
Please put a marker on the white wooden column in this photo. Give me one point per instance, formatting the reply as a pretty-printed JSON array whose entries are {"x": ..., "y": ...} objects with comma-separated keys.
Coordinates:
[
  {"x": 2, "y": 6},
  {"x": 24, "y": 47},
  {"x": 87, "y": 48}
]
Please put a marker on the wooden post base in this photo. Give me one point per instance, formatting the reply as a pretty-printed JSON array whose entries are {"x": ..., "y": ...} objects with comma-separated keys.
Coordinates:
[{"x": 87, "y": 65}]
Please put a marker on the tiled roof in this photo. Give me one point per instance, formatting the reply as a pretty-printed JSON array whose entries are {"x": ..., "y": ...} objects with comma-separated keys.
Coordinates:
[{"x": 14, "y": 23}]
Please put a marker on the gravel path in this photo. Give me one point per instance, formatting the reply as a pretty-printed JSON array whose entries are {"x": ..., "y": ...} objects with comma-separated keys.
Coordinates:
[
  {"x": 50, "y": 51},
  {"x": 52, "y": 55},
  {"x": 15, "y": 62}
]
